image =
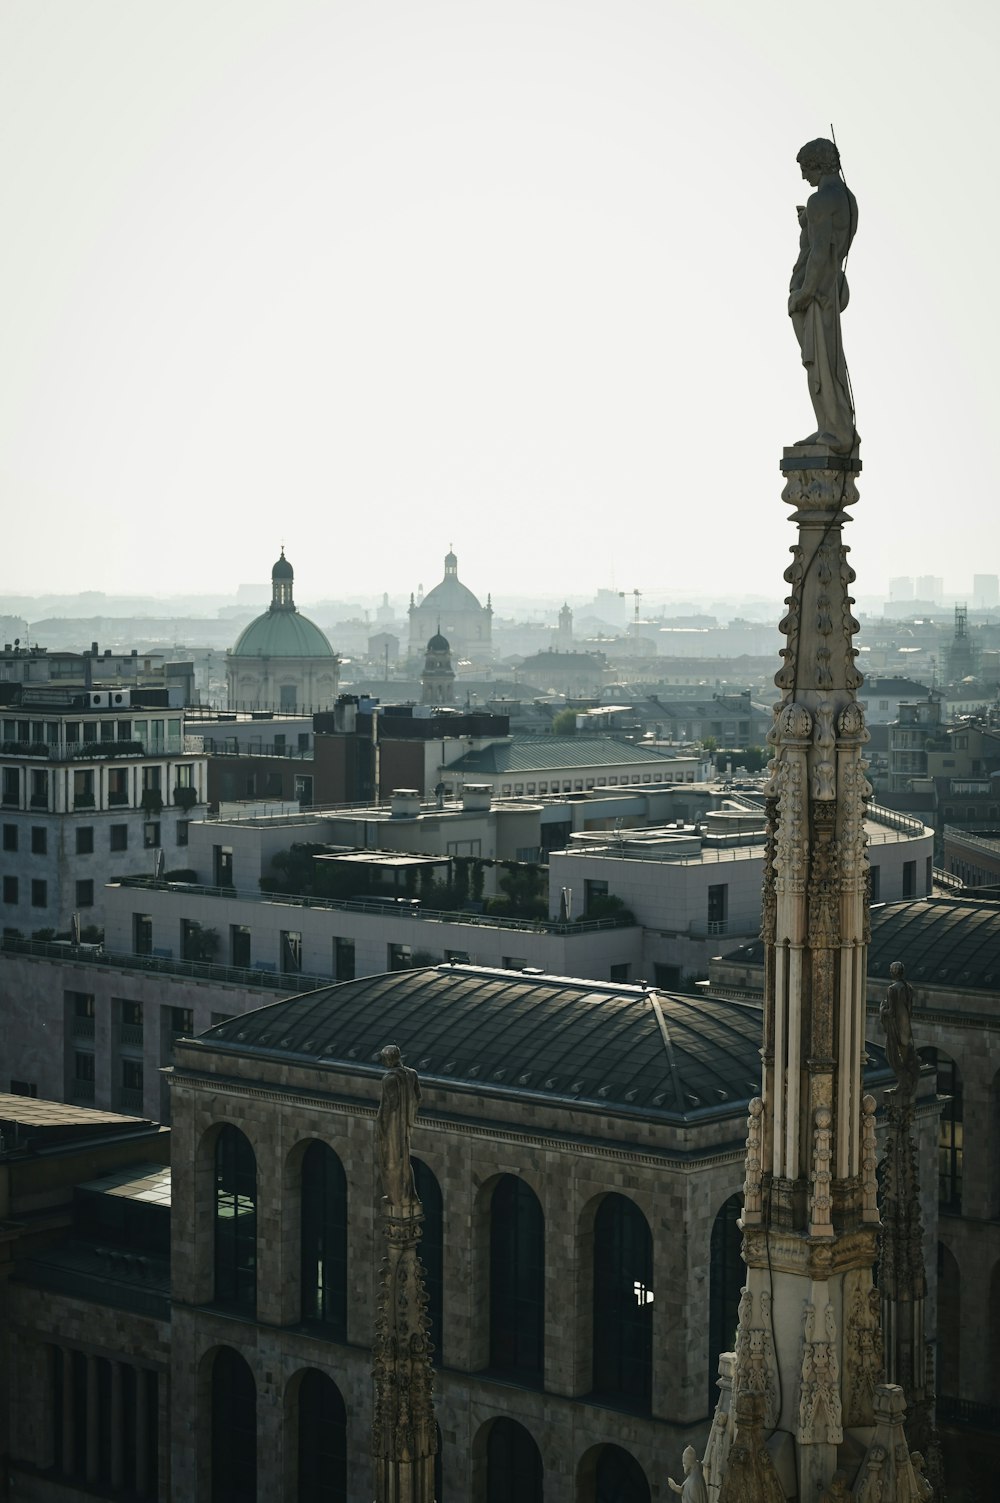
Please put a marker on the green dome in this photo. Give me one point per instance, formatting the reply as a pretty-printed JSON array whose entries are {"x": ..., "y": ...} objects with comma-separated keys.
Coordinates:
[{"x": 282, "y": 634}]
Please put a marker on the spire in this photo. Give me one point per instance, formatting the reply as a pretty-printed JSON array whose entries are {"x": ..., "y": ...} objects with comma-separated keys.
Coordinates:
[{"x": 282, "y": 578}]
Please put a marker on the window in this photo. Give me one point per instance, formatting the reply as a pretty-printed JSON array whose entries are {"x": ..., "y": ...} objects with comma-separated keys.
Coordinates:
[
  {"x": 726, "y": 1276},
  {"x": 303, "y": 790},
  {"x": 117, "y": 787},
  {"x": 324, "y": 1240},
  {"x": 239, "y": 946},
  {"x": 322, "y": 1441},
  {"x": 875, "y": 883},
  {"x": 39, "y": 893},
  {"x": 11, "y": 785},
  {"x": 593, "y": 894},
  {"x": 142, "y": 933},
  {"x": 23, "y": 1088},
  {"x": 85, "y": 893},
  {"x": 152, "y": 779},
  {"x": 909, "y": 879},
  {"x": 183, "y": 828},
  {"x": 400, "y": 957},
  {"x": 84, "y": 1075},
  {"x": 83, "y": 788},
  {"x": 291, "y": 951},
  {"x": 951, "y": 1130},
  {"x": 623, "y": 1303},
  {"x": 620, "y": 972},
  {"x": 131, "y": 1014},
  {"x": 131, "y": 1085},
  {"x": 39, "y": 840},
  {"x": 118, "y": 837},
  {"x": 10, "y": 837},
  {"x": 718, "y": 907},
  {"x": 10, "y": 889},
  {"x": 222, "y": 865},
  {"x": 343, "y": 959},
  {"x": 234, "y": 1429},
  {"x": 517, "y": 1276},
  {"x": 84, "y": 840},
  {"x": 184, "y": 775},
  {"x": 513, "y": 1464},
  {"x": 151, "y": 834},
  {"x": 39, "y": 788},
  {"x": 182, "y": 1022},
  {"x": 235, "y": 1221}
]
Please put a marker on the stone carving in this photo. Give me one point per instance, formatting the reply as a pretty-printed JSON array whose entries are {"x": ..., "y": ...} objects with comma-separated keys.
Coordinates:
[
  {"x": 824, "y": 893},
  {"x": 819, "y": 1391},
  {"x": 755, "y": 1365},
  {"x": 819, "y": 489},
  {"x": 869, "y": 1163},
  {"x": 854, "y": 678},
  {"x": 754, "y": 1175},
  {"x": 750, "y": 1476},
  {"x": 404, "y": 1434},
  {"x": 818, "y": 293},
  {"x": 851, "y": 723},
  {"x": 792, "y": 837},
  {"x": 863, "y": 1356},
  {"x": 769, "y": 897},
  {"x": 838, "y": 1491},
  {"x": 397, "y": 1112},
  {"x": 855, "y": 790},
  {"x": 821, "y": 1200},
  {"x": 692, "y": 1489},
  {"x": 896, "y": 1016},
  {"x": 924, "y": 1490},
  {"x": 887, "y": 1471},
  {"x": 824, "y": 740},
  {"x": 720, "y": 1437},
  {"x": 794, "y": 723}
]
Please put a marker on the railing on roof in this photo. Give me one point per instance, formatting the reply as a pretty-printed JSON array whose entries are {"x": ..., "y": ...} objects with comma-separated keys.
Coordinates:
[
  {"x": 989, "y": 843},
  {"x": 942, "y": 878},
  {"x": 896, "y": 821},
  {"x": 196, "y": 970},
  {"x": 404, "y": 908}
]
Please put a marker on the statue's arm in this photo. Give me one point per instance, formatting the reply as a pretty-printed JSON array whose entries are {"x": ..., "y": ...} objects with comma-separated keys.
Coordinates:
[{"x": 813, "y": 269}]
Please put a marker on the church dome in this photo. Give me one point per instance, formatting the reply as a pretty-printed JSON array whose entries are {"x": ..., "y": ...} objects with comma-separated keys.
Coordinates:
[
  {"x": 281, "y": 632},
  {"x": 451, "y": 594},
  {"x": 438, "y": 643}
]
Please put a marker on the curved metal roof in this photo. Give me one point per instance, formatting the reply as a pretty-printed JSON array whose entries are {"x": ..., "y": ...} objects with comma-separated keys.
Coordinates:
[
  {"x": 282, "y": 633},
  {"x": 946, "y": 941},
  {"x": 506, "y": 1031}
]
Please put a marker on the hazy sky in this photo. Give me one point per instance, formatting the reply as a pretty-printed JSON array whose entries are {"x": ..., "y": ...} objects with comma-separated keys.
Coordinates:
[{"x": 373, "y": 276}]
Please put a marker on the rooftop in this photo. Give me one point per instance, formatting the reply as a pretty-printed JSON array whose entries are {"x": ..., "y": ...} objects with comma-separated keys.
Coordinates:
[
  {"x": 625, "y": 1048},
  {"x": 545, "y": 753}
]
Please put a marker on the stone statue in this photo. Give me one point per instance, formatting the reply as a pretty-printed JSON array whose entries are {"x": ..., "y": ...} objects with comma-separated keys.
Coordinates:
[
  {"x": 818, "y": 293},
  {"x": 692, "y": 1489},
  {"x": 896, "y": 1013},
  {"x": 838, "y": 1491},
  {"x": 397, "y": 1112}
]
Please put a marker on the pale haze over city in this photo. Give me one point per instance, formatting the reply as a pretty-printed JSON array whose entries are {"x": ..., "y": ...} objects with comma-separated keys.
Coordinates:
[{"x": 370, "y": 280}]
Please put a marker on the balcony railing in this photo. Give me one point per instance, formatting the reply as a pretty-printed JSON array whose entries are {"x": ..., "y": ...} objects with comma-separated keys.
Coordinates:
[
  {"x": 93, "y": 751},
  {"x": 163, "y": 966},
  {"x": 130, "y": 1034},
  {"x": 130, "y": 1099},
  {"x": 968, "y": 1415},
  {"x": 83, "y": 1028},
  {"x": 83, "y": 1090}
]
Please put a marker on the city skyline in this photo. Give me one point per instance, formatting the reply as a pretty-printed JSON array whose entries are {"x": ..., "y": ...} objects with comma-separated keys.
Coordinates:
[{"x": 285, "y": 271}]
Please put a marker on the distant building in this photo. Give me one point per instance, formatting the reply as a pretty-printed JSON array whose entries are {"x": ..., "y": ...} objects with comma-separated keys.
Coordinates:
[
  {"x": 438, "y": 679},
  {"x": 282, "y": 661},
  {"x": 451, "y": 608},
  {"x": 985, "y": 591}
]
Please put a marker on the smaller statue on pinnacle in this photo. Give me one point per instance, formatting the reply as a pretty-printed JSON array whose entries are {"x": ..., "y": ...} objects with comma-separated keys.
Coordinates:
[
  {"x": 896, "y": 1016},
  {"x": 818, "y": 294},
  {"x": 692, "y": 1489},
  {"x": 397, "y": 1113}
]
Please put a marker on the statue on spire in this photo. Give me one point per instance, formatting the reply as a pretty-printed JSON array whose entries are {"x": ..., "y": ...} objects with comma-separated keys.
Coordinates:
[{"x": 818, "y": 294}]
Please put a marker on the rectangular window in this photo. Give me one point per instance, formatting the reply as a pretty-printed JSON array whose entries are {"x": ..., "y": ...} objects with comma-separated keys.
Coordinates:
[
  {"x": 718, "y": 907},
  {"x": 183, "y": 829},
  {"x": 343, "y": 959},
  {"x": 184, "y": 775},
  {"x": 11, "y": 787},
  {"x": 291, "y": 951},
  {"x": 620, "y": 972},
  {"x": 152, "y": 778},
  {"x": 131, "y": 1012},
  {"x": 460, "y": 957},
  {"x": 875, "y": 883},
  {"x": 39, "y": 788},
  {"x": 151, "y": 834},
  {"x": 85, "y": 893},
  {"x": 23, "y": 1088},
  {"x": 239, "y": 946},
  {"x": 132, "y": 1075},
  {"x": 84, "y": 840},
  {"x": 222, "y": 865},
  {"x": 399, "y": 957},
  {"x": 10, "y": 837},
  {"x": 118, "y": 837},
  {"x": 83, "y": 1065},
  {"x": 10, "y": 889},
  {"x": 39, "y": 893},
  {"x": 594, "y": 894},
  {"x": 909, "y": 879},
  {"x": 83, "y": 788},
  {"x": 142, "y": 933},
  {"x": 182, "y": 1022},
  {"x": 117, "y": 787},
  {"x": 39, "y": 840}
]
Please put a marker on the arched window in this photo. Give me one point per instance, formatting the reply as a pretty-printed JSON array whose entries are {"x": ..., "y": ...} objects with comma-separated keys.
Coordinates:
[
  {"x": 517, "y": 1281},
  {"x": 235, "y": 1221},
  {"x": 950, "y": 1131},
  {"x": 513, "y": 1465},
  {"x": 322, "y": 1443},
  {"x": 432, "y": 1249},
  {"x": 727, "y": 1275},
  {"x": 619, "y": 1478},
  {"x": 234, "y": 1429},
  {"x": 324, "y": 1240},
  {"x": 949, "y": 1323},
  {"x": 623, "y": 1303}
]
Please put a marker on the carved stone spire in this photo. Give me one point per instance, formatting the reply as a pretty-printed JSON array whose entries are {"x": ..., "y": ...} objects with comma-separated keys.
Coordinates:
[
  {"x": 404, "y": 1434},
  {"x": 808, "y": 1352}
]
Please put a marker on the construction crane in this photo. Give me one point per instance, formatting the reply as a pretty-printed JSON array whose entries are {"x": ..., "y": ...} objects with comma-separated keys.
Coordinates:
[{"x": 638, "y": 596}]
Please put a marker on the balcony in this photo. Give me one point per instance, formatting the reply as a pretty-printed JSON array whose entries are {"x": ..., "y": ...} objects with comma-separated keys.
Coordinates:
[
  {"x": 83, "y": 1028},
  {"x": 82, "y": 1090},
  {"x": 130, "y": 1099},
  {"x": 130, "y": 1034}
]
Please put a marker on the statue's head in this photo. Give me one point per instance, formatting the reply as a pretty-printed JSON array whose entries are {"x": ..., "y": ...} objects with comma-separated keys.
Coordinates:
[
  {"x": 897, "y": 970},
  {"x": 390, "y": 1056},
  {"x": 688, "y": 1457},
  {"x": 818, "y": 159}
]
